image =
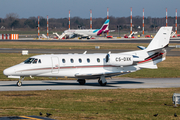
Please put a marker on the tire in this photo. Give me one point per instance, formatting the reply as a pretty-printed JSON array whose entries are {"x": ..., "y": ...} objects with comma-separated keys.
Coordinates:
[
  {"x": 102, "y": 84},
  {"x": 19, "y": 84},
  {"x": 81, "y": 81}
]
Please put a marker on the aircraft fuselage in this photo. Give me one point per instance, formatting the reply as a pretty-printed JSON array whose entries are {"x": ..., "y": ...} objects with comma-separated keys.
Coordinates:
[{"x": 72, "y": 65}]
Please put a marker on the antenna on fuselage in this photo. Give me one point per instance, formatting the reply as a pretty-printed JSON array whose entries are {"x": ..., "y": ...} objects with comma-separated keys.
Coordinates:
[{"x": 85, "y": 52}]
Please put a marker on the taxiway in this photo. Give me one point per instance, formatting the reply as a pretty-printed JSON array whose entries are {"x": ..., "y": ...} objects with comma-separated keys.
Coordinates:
[
  {"x": 97, "y": 40},
  {"x": 66, "y": 51},
  {"x": 115, "y": 83}
]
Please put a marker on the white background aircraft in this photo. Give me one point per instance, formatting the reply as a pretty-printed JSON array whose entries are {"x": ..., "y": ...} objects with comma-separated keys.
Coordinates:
[
  {"x": 86, "y": 33},
  {"x": 91, "y": 66}
]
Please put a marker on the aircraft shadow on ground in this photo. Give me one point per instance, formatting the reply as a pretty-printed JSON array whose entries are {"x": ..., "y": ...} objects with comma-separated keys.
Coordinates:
[{"x": 95, "y": 84}]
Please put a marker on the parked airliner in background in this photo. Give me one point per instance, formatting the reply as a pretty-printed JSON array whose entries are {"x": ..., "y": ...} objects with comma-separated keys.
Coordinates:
[
  {"x": 93, "y": 66},
  {"x": 86, "y": 33}
]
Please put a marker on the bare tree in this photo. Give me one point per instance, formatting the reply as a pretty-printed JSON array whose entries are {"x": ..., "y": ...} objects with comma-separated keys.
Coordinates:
[{"x": 12, "y": 16}]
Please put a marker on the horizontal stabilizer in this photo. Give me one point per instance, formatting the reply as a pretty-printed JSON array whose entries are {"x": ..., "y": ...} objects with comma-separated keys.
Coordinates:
[
  {"x": 149, "y": 65},
  {"x": 111, "y": 30},
  {"x": 141, "y": 47}
]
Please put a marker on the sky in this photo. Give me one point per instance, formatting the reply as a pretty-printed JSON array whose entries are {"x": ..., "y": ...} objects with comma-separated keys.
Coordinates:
[{"x": 81, "y": 8}]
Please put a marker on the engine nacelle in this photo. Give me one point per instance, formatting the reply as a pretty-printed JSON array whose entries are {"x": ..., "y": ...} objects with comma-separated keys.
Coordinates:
[{"x": 119, "y": 59}]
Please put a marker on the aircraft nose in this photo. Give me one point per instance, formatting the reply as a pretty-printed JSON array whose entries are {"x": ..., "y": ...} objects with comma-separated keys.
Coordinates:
[{"x": 8, "y": 71}]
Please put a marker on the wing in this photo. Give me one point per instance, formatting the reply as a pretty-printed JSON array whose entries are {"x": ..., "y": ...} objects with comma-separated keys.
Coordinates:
[
  {"x": 81, "y": 34},
  {"x": 97, "y": 75}
]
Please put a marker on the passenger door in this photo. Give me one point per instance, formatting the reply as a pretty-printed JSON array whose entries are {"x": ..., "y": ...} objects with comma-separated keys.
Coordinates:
[{"x": 55, "y": 65}]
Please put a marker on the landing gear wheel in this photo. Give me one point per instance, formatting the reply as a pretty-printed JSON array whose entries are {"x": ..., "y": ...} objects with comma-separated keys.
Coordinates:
[
  {"x": 19, "y": 84},
  {"x": 102, "y": 84},
  {"x": 81, "y": 81}
]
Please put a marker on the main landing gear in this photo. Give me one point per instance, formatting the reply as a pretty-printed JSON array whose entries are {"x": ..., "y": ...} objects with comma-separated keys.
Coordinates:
[
  {"x": 81, "y": 81},
  {"x": 102, "y": 81},
  {"x": 19, "y": 83}
]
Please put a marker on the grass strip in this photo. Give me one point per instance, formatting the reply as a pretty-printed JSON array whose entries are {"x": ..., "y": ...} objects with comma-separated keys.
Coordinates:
[{"x": 92, "y": 104}]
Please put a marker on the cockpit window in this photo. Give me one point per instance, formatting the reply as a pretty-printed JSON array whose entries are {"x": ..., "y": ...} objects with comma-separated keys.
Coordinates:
[
  {"x": 39, "y": 61},
  {"x": 29, "y": 60},
  {"x": 35, "y": 61},
  {"x": 32, "y": 60}
]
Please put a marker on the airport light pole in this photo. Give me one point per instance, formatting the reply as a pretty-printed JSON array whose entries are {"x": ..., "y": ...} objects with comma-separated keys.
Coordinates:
[
  {"x": 47, "y": 27},
  {"x": 119, "y": 28},
  {"x": 131, "y": 21},
  {"x": 38, "y": 27},
  {"x": 90, "y": 19},
  {"x": 143, "y": 23},
  {"x": 176, "y": 23},
  {"x": 166, "y": 18},
  {"x": 107, "y": 17}
]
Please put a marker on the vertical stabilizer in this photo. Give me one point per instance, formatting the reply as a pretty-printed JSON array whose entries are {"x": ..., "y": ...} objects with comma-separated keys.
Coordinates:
[
  {"x": 105, "y": 26},
  {"x": 161, "y": 39}
]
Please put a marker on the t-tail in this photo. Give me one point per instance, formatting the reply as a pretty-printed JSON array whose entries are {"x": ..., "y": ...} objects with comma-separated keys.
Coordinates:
[
  {"x": 161, "y": 39},
  {"x": 156, "y": 49},
  {"x": 104, "y": 28}
]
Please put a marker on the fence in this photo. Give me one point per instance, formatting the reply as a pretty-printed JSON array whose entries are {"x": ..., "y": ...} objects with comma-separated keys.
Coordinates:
[{"x": 9, "y": 36}]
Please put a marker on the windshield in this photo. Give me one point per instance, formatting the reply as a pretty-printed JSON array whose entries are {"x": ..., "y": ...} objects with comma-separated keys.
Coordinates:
[
  {"x": 29, "y": 60},
  {"x": 32, "y": 60}
]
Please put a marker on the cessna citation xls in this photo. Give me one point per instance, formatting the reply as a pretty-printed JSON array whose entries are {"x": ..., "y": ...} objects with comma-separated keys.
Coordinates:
[{"x": 93, "y": 66}]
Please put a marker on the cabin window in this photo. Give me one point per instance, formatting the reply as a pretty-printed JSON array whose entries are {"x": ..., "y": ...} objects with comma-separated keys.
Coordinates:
[
  {"x": 72, "y": 61},
  {"x": 88, "y": 60},
  {"x": 98, "y": 60},
  {"x": 29, "y": 60},
  {"x": 39, "y": 61},
  {"x": 35, "y": 61},
  {"x": 63, "y": 60},
  {"x": 80, "y": 60}
]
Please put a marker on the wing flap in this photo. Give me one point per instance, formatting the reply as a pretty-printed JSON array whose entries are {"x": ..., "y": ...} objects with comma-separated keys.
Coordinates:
[{"x": 96, "y": 75}]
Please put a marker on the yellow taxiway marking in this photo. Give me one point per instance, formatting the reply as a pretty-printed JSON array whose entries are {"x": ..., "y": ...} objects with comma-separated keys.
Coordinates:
[{"x": 30, "y": 118}]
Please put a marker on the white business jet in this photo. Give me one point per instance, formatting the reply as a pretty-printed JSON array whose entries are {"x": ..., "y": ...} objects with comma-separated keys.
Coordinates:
[
  {"x": 87, "y": 33},
  {"x": 93, "y": 66}
]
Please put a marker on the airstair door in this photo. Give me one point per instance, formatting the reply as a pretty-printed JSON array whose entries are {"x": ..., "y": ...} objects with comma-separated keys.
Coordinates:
[{"x": 55, "y": 65}]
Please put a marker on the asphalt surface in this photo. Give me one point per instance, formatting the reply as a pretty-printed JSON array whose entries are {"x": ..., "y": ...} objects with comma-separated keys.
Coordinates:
[
  {"x": 115, "y": 83},
  {"x": 66, "y": 51},
  {"x": 25, "y": 118},
  {"x": 97, "y": 40}
]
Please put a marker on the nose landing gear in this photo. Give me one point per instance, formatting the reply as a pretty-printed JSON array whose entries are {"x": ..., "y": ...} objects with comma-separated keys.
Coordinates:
[{"x": 19, "y": 83}]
